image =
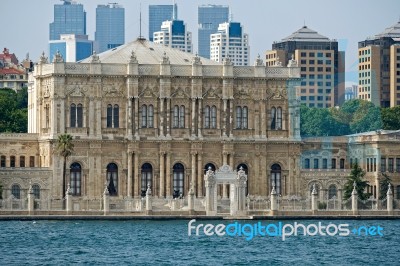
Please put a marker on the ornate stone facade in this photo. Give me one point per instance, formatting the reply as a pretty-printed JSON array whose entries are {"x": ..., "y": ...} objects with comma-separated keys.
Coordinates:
[{"x": 145, "y": 114}]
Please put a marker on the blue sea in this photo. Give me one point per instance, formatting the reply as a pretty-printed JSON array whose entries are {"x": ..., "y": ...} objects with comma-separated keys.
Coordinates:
[{"x": 167, "y": 243}]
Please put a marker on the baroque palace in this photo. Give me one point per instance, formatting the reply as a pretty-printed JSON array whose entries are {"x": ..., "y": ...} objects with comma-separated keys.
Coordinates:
[{"x": 144, "y": 114}]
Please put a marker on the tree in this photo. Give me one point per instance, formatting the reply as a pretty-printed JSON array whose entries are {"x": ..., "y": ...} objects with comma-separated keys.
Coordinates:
[
  {"x": 357, "y": 175},
  {"x": 391, "y": 118},
  {"x": 13, "y": 110},
  {"x": 384, "y": 182},
  {"x": 65, "y": 147}
]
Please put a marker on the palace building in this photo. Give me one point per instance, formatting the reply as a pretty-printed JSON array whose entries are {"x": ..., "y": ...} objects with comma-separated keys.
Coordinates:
[{"x": 145, "y": 114}]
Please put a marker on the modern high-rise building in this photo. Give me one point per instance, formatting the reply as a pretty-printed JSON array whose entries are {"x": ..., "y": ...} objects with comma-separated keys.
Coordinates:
[
  {"x": 351, "y": 93},
  {"x": 209, "y": 18},
  {"x": 110, "y": 26},
  {"x": 321, "y": 63},
  {"x": 379, "y": 68},
  {"x": 69, "y": 18},
  {"x": 158, "y": 14},
  {"x": 174, "y": 34},
  {"x": 72, "y": 47},
  {"x": 230, "y": 41}
]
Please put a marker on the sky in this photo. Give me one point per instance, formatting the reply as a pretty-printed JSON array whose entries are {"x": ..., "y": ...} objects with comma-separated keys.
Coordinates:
[{"x": 25, "y": 26}]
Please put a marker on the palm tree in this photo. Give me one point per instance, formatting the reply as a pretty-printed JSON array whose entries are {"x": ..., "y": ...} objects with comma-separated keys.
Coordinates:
[{"x": 64, "y": 149}]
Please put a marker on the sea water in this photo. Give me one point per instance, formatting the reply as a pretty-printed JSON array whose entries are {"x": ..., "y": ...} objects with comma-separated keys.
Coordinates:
[{"x": 168, "y": 243}]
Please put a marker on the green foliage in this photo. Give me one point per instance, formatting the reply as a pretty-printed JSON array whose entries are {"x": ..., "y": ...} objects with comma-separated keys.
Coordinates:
[
  {"x": 65, "y": 147},
  {"x": 391, "y": 118},
  {"x": 352, "y": 117},
  {"x": 384, "y": 182},
  {"x": 357, "y": 176},
  {"x": 322, "y": 205},
  {"x": 13, "y": 110}
]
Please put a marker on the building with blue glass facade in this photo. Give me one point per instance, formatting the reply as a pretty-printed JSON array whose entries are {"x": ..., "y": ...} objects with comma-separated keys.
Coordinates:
[
  {"x": 158, "y": 14},
  {"x": 69, "y": 18},
  {"x": 209, "y": 18},
  {"x": 110, "y": 26},
  {"x": 72, "y": 47},
  {"x": 230, "y": 41},
  {"x": 174, "y": 34}
]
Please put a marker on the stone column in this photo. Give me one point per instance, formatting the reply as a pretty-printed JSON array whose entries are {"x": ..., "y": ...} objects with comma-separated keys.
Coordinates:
[
  {"x": 68, "y": 199},
  {"x": 31, "y": 201},
  {"x": 168, "y": 117},
  {"x": 149, "y": 206},
  {"x": 136, "y": 117},
  {"x": 200, "y": 119},
  {"x": 389, "y": 199},
  {"x": 91, "y": 115},
  {"x": 106, "y": 201},
  {"x": 263, "y": 119},
  {"x": 168, "y": 175},
  {"x": 314, "y": 201},
  {"x": 224, "y": 118},
  {"x": 162, "y": 177},
  {"x": 136, "y": 193},
  {"x": 191, "y": 200},
  {"x": 199, "y": 175},
  {"x": 193, "y": 177},
  {"x": 354, "y": 199},
  {"x": 224, "y": 186},
  {"x": 98, "y": 118},
  {"x": 161, "y": 115},
  {"x": 231, "y": 118},
  {"x": 193, "y": 117},
  {"x": 274, "y": 201},
  {"x": 53, "y": 120},
  {"x": 129, "y": 190},
  {"x": 62, "y": 116},
  {"x": 129, "y": 118}
]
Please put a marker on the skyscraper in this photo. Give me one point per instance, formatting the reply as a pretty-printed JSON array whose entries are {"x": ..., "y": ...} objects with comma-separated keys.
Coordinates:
[
  {"x": 72, "y": 47},
  {"x": 379, "y": 68},
  {"x": 158, "y": 14},
  {"x": 69, "y": 18},
  {"x": 110, "y": 26},
  {"x": 321, "y": 65},
  {"x": 209, "y": 18},
  {"x": 230, "y": 41},
  {"x": 174, "y": 34}
]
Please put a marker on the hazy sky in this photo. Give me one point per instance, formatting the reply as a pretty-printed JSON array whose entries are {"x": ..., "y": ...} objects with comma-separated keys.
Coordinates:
[{"x": 25, "y": 23}]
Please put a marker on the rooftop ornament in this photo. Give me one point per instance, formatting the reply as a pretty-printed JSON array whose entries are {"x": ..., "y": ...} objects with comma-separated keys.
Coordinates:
[
  {"x": 133, "y": 59},
  {"x": 95, "y": 58}
]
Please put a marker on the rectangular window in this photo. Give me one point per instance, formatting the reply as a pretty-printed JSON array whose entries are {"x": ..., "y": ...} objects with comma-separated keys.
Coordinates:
[
  {"x": 341, "y": 163},
  {"x": 320, "y": 62},
  {"x": 328, "y": 69},
  {"x": 319, "y": 54},
  {"x": 3, "y": 161},
  {"x": 32, "y": 161},
  {"x": 312, "y": 62},
  {"x": 390, "y": 165},
  {"x": 22, "y": 161},
  {"x": 316, "y": 163},
  {"x": 333, "y": 166},
  {"x": 398, "y": 165},
  {"x": 383, "y": 164},
  {"x": 303, "y": 54},
  {"x": 311, "y": 54},
  {"x": 324, "y": 163},
  {"x": 374, "y": 164},
  {"x": 367, "y": 164},
  {"x": 12, "y": 161},
  {"x": 307, "y": 163},
  {"x": 303, "y": 69},
  {"x": 311, "y": 69}
]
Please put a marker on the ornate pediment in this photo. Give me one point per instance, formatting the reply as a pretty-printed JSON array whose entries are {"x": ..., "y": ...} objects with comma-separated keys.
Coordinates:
[
  {"x": 112, "y": 90},
  {"x": 277, "y": 93},
  {"x": 242, "y": 93},
  {"x": 76, "y": 91},
  {"x": 212, "y": 93},
  {"x": 148, "y": 93},
  {"x": 180, "y": 93}
]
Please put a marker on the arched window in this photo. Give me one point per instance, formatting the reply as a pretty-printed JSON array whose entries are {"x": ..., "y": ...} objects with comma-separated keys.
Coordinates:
[
  {"x": 213, "y": 116},
  {"x": 324, "y": 163},
  {"x": 147, "y": 173},
  {"x": 316, "y": 163},
  {"x": 178, "y": 178},
  {"x": 21, "y": 161},
  {"x": 246, "y": 170},
  {"x": 179, "y": 116},
  {"x": 116, "y": 116},
  {"x": 316, "y": 188},
  {"x": 150, "y": 116},
  {"x": 182, "y": 117},
  {"x": 36, "y": 191},
  {"x": 109, "y": 115},
  {"x": 16, "y": 191},
  {"x": 207, "y": 166},
  {"x": 278, "y": 118},
  {"x": 76, "y": 179},
  {"x": 238, "y": 117},
  {"x": 3, "y": 161},
  {"x": 12, "y": 161},
  {"x": 144, "y": 115},
  {"x": 207, "y": 117},
  {"x": 276, "y": 177},
  {"x": 332, "y": 192},
  {"x": 245, "y": 117},
  {"x": 341, "y": 163},
  {"x": 273, "y": 118},
  {"x": 73, "y": 115},
  {"x": 306, "y": 163},
  {"x": 112, "y": 179},
  {"x": 79, "y": 115}
]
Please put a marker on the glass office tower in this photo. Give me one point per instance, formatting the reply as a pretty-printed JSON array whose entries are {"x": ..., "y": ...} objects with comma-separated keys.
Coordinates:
[
  {"x": 209, "y": 18},
  {"x": 158, "y": 14},
  {"x": 110, "y": 26},
  {"x": 69, "y": 18}
]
